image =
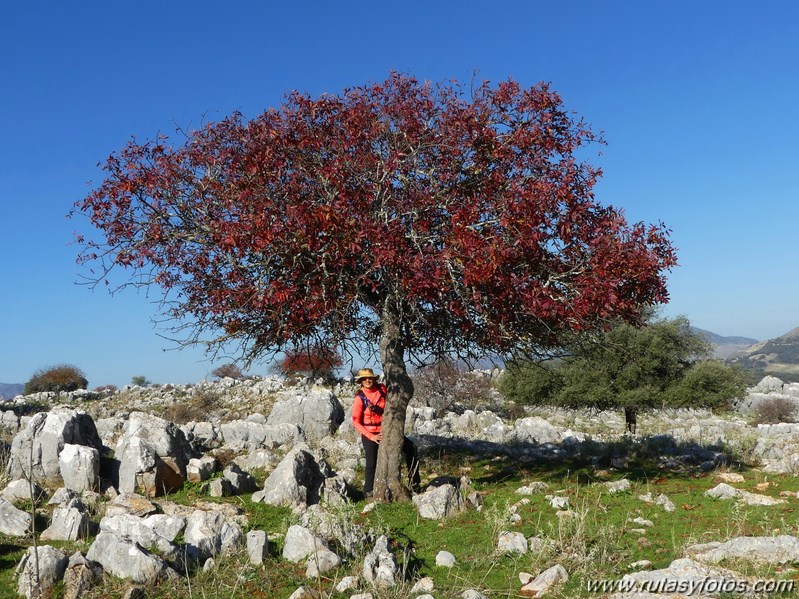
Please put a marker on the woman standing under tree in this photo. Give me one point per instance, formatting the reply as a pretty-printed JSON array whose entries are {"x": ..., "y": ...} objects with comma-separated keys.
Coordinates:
[{"x": 367, "y": 418}]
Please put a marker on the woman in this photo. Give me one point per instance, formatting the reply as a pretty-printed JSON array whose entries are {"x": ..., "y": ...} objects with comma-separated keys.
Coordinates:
[{"x": 367, "y": 418}]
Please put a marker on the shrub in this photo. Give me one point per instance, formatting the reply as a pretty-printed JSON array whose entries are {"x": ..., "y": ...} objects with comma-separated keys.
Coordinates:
[
  {"x": 446, "y": 387},
  {"x": 140, "y": 381},
  {"x": 230, "y": 371},
  {"x": 531, "y": 383},
  {"x": 106, "y": 389},
  {"x": 709, "y": 384},
  {"x": 776, "y": 409},
  {"x": 63, "y": 377}
]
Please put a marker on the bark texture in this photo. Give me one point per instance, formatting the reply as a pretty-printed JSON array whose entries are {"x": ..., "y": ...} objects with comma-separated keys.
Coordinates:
[{"x": 388, "y": 476}]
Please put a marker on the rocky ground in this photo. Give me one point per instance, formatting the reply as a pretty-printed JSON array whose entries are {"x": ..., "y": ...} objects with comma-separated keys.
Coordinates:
[{"x": 105, "y": 471}]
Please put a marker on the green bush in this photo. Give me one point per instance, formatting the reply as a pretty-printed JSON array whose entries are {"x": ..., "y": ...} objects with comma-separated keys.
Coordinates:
[
  {"x": 63, "y": 377},
  {"x": 531, "y": 383},
  {"x": 709, "y": 384}
]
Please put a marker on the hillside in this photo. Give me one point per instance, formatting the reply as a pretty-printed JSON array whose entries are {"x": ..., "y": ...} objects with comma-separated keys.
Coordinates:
[
  {"x": 779, "y": 356},
  {"x": 10, "y": 390},
  {"x": 724, "y": 346}
]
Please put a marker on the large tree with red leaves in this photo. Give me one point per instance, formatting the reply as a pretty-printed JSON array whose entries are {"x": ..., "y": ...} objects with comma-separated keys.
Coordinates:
[{"x": 402, "y": 217}]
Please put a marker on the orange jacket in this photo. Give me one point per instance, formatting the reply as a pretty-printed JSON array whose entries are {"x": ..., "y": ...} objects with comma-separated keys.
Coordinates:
[{"x": 367, "y": 421}]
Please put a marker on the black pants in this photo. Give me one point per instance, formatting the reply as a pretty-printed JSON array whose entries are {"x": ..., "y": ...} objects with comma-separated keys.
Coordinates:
[{"x": 411, "y": 461}]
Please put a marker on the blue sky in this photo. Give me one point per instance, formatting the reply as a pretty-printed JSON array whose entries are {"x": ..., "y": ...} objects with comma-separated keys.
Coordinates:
[{"x": 699, "y": 102}]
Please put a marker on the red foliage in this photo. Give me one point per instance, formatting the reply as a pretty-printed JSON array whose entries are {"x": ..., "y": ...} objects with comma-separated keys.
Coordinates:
[
  {"x": 471, "y": 215},
  {"x": 315, "y": 361}
]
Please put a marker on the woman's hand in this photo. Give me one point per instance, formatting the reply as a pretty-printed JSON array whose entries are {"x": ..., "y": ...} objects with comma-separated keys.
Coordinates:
[{"x": 376, "y": 438}]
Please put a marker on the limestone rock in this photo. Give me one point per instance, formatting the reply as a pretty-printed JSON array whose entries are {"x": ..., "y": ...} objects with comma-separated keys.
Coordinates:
[
  {"x": 317, "y": 412},
  {"x": 152, "y": 453},
  {"x": 545, "y": 581},
  {"x": 535, "y": 430},
  {"x": 80, "y": 467},
  {"x": 208, "y": 534},
  {"x": 783, "y": 549},
  {"x": 445, "y": 559},
  {"x": 301, "y": 543},
  {"x": 321, "y": 563},
  {"x": 13, "y": 522},
  {"x": 52, "y": 564},
  {"x": 126, "y": 559},
  {"x": 48, "y": 433},
  {"x": 19, "y": 491},
  {"x": 297, "y": 480},
  {"x": 438, "y": 502},
  {"x": 69, "y": 523},
  {"x": 80, "y": 576},
  {"x": 512, "y": 542},
  {"x": 257, "y": 546},
  {"x": 380, "y": 565}
]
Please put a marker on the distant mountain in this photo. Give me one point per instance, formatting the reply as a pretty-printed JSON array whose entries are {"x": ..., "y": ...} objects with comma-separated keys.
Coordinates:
[
  {"x": 10, "y": 390},
  {"x": 723, "y": 347},
  {"x": 774, "y": 356}
]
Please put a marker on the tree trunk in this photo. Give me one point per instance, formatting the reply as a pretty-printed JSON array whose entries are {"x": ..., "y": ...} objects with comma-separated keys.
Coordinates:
[
  {"x": 630, "y": 419},
  {"x": 388, "y": 476}
]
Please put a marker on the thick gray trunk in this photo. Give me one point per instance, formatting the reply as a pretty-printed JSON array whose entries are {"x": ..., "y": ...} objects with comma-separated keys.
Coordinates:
[{"x": 388, "y": 475}]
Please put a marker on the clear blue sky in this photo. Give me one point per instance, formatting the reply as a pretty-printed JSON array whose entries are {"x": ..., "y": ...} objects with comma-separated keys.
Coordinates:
[{"x": 699, "y": 102}]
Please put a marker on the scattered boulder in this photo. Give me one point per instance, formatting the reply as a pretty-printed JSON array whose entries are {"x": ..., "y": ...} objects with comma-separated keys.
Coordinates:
[
  {"x": 783, "y": 549},
  {"x": 296, "y": 481},
  {"x": 153, "y": 454},
  {"x": 619, "y": 486},
  {"x": 257, "y": 546},
  {"x": 380, "y": 565},
  {"x": 70, "y": 522},
  {"x": 124, "y": 558},
  {"x": 200, "y": 469},
  {"x": 80, "y": 467},
  {"x": 725, "y": 491},
  {"x": 445, "y": 559},
  {"x": 300, "y": 543},
  {"x": 131, "y": 503},
  {"x": 52, "y": 565},
  {"x": 438, "y": 502},
  {"x": 241, "y": 435},
  {"x": 48, "y": 433},
  {"x": 534, "y": 430},
  {"x": 545, "y": 581},
  {"x": 322, "y": 562},
  {"x": 80, "y": 576},
  {"x": 511, "y": 542},
  {"x": 19, "y": 491},
  {"x": 13, "y": 522},
  {"x": 318, "y": 412},
  {"x": 209, "y": 534}
]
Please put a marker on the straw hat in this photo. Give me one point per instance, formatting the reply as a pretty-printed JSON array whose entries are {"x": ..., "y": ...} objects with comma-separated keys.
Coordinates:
[{"x": 366, "y": 373}]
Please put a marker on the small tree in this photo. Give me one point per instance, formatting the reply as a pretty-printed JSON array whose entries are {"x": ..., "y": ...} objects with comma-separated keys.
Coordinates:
[
  {"x": 312, "y": 360},
  {"x": 228, "y": 371},
  {"x": 633, "y": 368},
  {"x": 446, "y": 385},
  {"x": 64, "y": 377},
  {"x": 139, "y": 380},
  {"x": 399, "y": 218}
]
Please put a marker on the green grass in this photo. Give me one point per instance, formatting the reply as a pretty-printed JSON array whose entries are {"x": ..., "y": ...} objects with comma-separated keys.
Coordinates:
[{"x": 597, "y": 543}]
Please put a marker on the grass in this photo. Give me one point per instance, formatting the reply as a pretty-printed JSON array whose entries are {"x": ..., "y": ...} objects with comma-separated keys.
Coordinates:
[{"x": 598, "y": 541}]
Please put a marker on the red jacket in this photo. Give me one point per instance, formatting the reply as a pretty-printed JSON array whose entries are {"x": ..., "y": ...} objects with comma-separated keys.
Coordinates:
[{"x": 367, "y": 421}]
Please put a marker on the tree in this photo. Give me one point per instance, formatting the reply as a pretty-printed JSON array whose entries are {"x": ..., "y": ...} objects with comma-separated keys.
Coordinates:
[
  {"x": 140, "y": 380},
  {"x": 315, "y": 361},
  {"x": 228, "y": 371},
  {"x": 634, "y": 368},
  {"x": 399, "y": 218},
  {"x": 63, "y": 377}
]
